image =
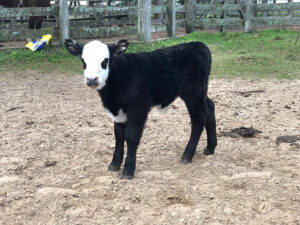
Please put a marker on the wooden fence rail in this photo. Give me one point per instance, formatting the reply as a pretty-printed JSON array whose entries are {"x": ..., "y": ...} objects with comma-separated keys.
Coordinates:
[
  {"x": 96, "y": 22},
  {"x": 246, "y": 15}
]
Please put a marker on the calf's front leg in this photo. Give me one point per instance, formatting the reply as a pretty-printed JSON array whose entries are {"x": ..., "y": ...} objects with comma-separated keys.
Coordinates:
[
  {"x": 117, "y": 160},
  {"x": 133, "y": 133}
]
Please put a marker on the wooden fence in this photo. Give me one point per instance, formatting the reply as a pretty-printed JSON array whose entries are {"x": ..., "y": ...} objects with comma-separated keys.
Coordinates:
[
  {"x": 247, "y": 16},
  {"x": 97, "y": 21}
]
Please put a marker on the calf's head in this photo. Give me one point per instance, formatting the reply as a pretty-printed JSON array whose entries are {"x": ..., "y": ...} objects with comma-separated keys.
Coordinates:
[{"x": 96, "y": 57}]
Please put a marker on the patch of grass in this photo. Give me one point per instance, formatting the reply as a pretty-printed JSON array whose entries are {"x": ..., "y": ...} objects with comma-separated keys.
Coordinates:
[
  {"x": 48, "y": 60},
  {"x": 264, "y": 54}
]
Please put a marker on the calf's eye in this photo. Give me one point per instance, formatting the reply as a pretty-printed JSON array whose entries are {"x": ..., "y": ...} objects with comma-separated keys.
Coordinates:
[
  {"x": 104, "y": 63},
  {"x": 83, "y": 63}
]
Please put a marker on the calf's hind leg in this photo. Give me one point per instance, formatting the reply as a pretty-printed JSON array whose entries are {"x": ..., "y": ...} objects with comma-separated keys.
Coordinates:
[
  {"x": 199, "y": 112},
  {"x": 210, "y": 126}
]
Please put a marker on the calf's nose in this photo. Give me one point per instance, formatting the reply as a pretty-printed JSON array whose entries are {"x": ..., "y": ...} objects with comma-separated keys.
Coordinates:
[{"x": 92, "y": 81}]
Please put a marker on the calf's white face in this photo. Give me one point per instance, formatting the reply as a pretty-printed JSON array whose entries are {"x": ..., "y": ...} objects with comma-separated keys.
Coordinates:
[{"x": 95, "y": 59}]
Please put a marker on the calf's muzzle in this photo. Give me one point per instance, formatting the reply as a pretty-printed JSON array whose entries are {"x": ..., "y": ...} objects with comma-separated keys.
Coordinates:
[{"x": 92, "y": 82}]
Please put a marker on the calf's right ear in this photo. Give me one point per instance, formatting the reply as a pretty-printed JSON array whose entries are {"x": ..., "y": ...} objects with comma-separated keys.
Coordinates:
[{"x": 73, "y": 47}]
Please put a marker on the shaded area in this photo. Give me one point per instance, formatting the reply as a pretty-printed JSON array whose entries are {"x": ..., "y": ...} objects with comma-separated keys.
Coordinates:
[
  {"x": 238, "y": 132},
  {"x": 287, "y": 139},
  {"x": 248, "y": 93}
]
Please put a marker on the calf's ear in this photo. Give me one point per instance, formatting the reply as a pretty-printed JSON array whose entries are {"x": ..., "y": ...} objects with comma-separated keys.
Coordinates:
[
  {"x": 73, "y": 47},
  {"x": 119, "y": 47}
]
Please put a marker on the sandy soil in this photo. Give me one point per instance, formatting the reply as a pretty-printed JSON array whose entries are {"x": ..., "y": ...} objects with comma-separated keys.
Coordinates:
[{"x": 56, "y": 144}]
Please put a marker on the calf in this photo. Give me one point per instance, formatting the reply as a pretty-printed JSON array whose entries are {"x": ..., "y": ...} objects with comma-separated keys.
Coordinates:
[{"x": 130, "y": 84}]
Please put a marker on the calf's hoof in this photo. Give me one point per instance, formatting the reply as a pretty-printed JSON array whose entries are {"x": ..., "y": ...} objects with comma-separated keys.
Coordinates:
[
  {"x": 113, "y": 168},
  {"x": 127, "y": 173},
  {"x": 128, "y": 177},
  {"x": 184, "y": 160},
  {"x": 208, "y": 151}
]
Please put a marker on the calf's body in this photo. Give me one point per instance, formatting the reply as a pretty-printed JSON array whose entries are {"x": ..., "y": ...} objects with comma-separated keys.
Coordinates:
[{"x": 137, "y": 82}]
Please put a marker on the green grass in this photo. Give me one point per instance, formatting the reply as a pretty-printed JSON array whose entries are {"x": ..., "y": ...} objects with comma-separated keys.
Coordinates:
[{"x": 264, "y": 54}]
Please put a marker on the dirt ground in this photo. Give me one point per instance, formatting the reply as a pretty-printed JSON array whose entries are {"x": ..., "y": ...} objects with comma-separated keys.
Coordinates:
[{"x": 56, "y": 144}]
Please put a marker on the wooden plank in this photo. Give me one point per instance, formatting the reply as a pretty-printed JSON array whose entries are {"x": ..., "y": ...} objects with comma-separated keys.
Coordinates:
[
  {"x": 276, "y": 21},
  {"x": 102, "y": 32},
  {"x": 157, "y": 9},
  {"x": 24, "y": 12},
  {"x": 220, "y": 22},
  {"x": 180, "y": 8},
  {"x": 224, "y": 16},
  {"x": 147, "y": 17},
  {"x": 190, "y": 16},
  {"x": 23, "y": 26},
  {"x": 144, "y": 20},
  {"x": 171, "y": 19},
  {"x": 63, "y": 24},
  {"x": 216, "y": 9},
  {"x": 275, "y": 7},
  {"x": 291, "y": 11},
  {"x": 103, "y": 11},
  {"x": 20, "y": 35},
  {"x": 249, "y": 15}
]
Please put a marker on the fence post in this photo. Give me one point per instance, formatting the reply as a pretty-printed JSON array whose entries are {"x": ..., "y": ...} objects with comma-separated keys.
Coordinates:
[
  {"x": 13, "y": 22},
  {"x": 144, "y": 20},
  {"x": 265, "y": 13},
  {"x": 189, "y": 16},
  {"x": 171, "y": 18},
  {"x": 63, "y": 20},
  {"x": 224, "y": 16},
  {"x": 249, "y": 15},
  {"x": 291, "y": 11}
]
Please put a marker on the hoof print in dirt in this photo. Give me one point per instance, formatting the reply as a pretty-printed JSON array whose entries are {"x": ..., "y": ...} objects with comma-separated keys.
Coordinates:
[
  {"x": 249, "y": 93},
  {"x": 238, "y": 132},
  {"x": 50, "y": 163},
  {"x": 287, "y": 139}
]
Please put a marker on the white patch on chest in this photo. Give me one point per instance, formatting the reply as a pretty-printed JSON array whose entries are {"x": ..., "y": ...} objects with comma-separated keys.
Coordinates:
[{"x": 120, "y": 118}]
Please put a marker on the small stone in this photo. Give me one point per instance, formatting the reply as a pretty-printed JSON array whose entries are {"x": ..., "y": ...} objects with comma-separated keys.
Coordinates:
[
  {"x": 50, "y": 163},
  {"x": 174, "y": 214},
  {"x": 227, "y": 211},
  {"x": 235, "y": 114},
  {"x": 261, "y": 207},
  {"x": 205, "y": 164},
  {"x": 212, "y": 196}
]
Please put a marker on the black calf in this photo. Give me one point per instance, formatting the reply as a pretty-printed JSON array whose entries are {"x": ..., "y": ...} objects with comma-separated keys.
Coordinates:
[{"x": 133, "y": 83}]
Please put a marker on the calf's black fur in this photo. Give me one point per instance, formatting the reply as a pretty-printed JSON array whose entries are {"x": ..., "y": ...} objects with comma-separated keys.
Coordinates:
[{"x": 139, "y": 81}]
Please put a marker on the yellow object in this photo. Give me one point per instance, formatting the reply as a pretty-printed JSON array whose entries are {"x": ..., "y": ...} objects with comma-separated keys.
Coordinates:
[{"x": 40, "y": 43}]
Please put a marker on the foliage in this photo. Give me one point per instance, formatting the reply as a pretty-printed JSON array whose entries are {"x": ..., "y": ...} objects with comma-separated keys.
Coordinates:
[{"x": 264, "y": 54}]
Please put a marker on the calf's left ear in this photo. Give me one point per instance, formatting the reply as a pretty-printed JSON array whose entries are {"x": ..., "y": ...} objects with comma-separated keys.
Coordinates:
[
  {"x": 119, "y": 47},
  {"x": 73, "y": 47}
]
